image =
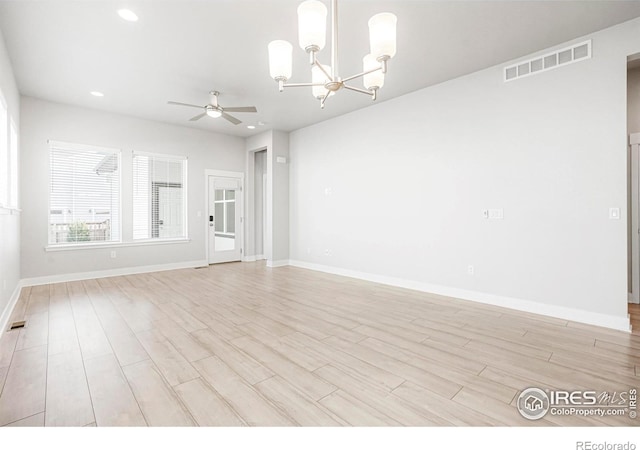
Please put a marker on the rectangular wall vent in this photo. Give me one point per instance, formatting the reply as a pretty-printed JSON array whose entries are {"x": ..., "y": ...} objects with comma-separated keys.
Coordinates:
[
  {"x": 559, "y": 58},
  {"x": 16, "y": 325}
]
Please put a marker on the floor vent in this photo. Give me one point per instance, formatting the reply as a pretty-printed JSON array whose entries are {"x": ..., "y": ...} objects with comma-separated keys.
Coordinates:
[
  {"x": 16, "y": 325},
  {"x": 201, "y": 267},
  {"x": 559, "y": 58}
]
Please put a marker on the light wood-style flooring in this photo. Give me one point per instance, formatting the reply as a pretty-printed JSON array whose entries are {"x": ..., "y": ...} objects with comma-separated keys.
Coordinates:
[
  {"x": 242, "y": 344},
  {"x": 634, "y": 313}
]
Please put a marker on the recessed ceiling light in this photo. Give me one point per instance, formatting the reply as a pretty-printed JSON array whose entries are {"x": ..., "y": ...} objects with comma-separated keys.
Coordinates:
[
  {"x": 97, "y": 94},
  {"x": 251, "y": 127},
  {"x": 128, "y": 15}
]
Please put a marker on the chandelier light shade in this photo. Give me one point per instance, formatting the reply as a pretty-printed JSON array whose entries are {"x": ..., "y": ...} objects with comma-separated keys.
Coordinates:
[
  {"x": 375, "y": 79},
  {"x": 280, "y": 60},
  {"x": 382, "y": 35},
  {"x": 325, "y": 79},
  {"x": 312, "y": 25}
]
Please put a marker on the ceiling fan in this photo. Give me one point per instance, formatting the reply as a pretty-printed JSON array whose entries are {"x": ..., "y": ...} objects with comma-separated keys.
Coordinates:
[{"x": 213, "y": 109}]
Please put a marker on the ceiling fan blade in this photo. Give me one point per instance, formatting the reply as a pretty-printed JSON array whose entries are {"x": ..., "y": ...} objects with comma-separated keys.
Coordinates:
[
  {"x": 231, "y": 119},
  {"x": 184, "y": 104},
  {"x": 241, "y": 109},
  {"x": 198, "y": 117}
]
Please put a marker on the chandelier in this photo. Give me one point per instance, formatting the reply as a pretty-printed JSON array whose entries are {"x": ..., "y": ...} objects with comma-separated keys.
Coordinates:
[{"x": 325, "y": 80}]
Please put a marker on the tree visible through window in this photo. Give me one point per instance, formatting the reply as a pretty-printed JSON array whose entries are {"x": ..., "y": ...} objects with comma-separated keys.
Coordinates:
[{"x": 84, "y": 194}]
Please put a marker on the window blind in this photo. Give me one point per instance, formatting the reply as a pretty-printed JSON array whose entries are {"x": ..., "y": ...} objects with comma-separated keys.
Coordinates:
[
  {"x": 4, "y": 155},
  {"x": 13, "y": 161},
  {"x": 159, "y": 196},
  {"x": 84, "y": 194}
]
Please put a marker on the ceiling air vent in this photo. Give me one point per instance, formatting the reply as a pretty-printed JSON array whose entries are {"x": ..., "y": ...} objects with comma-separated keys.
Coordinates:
[{"x": 549, "y": 61}]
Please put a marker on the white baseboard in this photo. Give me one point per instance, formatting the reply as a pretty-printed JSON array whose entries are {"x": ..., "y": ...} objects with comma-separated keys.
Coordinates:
[
  {"x": 575, "y": 315},
  {"x": 6, "y": 314},
  {"x": 282, "y": 262},
  {"x": 110, "y": 273},
  {"x": 253, "y": 258}
]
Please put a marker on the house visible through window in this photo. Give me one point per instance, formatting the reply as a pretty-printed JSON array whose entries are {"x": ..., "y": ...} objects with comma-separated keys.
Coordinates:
[
  {"x": 159, "y": 197},
  {"x": 84, "y": 194}
]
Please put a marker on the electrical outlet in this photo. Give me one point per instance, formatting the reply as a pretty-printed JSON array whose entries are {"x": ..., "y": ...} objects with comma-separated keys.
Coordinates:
[
  {"x": 471, "y": 270},
  {"x": 308, "y": 250},
  {"x": 4, "y": 285},
  {"x": 327, "y": 252},
  {"x": 328, "y": 191},
  {"x": 113, "y": 254}
]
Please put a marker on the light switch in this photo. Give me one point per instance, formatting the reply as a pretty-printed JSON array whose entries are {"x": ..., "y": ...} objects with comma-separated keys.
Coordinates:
[
  {"x": 281, "y": 159},
  {"x": 614, "y": 213},
  {"x": 496, "y": 213}
]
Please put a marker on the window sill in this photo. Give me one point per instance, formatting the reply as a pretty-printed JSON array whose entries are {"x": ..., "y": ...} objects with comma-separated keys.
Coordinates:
[
  {"x": 9, "y": 211},
  {"x": 141, "y": 243}
]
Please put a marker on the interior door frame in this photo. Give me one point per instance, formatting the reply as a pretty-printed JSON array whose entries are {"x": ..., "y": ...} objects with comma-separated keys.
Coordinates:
[
  {"x": 222, "y": 173},
  {"x": 634, "y": 149}
]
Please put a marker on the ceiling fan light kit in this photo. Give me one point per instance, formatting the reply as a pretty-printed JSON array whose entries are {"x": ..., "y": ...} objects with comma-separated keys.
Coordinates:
[{"x": 325, "y": 79}]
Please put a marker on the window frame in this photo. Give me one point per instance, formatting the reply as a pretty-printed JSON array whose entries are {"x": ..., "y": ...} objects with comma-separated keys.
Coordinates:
[
  {"x": 5, "y": 178},
  {"x": 185, "y": 188},
  {"x": 225, "y": 203},
  {"x": 70, "y": 146},
  {"x": 13, "y": 165}
]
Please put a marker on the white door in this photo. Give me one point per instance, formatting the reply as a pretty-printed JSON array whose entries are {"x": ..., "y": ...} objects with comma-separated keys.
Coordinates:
[{"x": 224, "y": 217}]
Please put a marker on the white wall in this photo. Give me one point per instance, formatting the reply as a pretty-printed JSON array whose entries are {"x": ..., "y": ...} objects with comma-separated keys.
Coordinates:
[
  {"x": 43, "y": 120},
  {"x": 9, "y": 221},
  {"x": 278, "y": 192},
  {"x": 410, "y": 177}
]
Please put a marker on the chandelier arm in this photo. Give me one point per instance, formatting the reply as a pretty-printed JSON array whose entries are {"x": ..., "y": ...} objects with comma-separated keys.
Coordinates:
[
  {"x": 324, "y": 99},
  {"x": 302, "y": 84},
  {"x": 321, "y": 67},
  {"x": 362, "y": 91},
  {"x": 361, "y": 74}
]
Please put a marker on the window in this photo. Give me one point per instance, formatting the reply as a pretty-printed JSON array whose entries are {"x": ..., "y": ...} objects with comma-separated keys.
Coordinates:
[
  {"x": 159, "y": 197},
  {"x": 84, "y": 194},
  {"x": 4, "y": 154},
  {"x": 13, "y": 161},
  {"x": 225, "y": 204}
]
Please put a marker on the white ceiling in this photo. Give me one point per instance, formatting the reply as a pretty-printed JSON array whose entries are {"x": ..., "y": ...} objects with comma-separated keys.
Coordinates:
[{"x": 181, "y": 49}]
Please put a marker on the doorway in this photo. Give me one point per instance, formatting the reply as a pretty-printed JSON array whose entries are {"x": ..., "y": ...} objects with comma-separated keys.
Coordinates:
[
  {"x": 633, "y": 158},
  {"x": 260, "y": 204},
  {"x": 224, "y": 216}
]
